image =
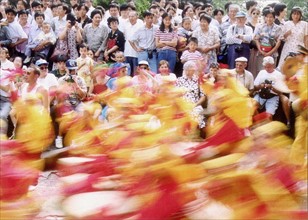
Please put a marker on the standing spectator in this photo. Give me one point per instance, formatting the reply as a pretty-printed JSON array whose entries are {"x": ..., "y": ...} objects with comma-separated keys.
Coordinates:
[
  {"x": 189, "y": 12},
  {"x": 295, "y": 32},
  {"x": 218, "y": 15},
  {"x": 54, "y": 10},
  {"x": 154, "y": 9},
  {"x": 115, "y": 39},
  {"x": 16, "y": 33},
  {"x": 72, "y": 35},
  {"x": 238, "y": 38},
  {"x": 114, "y": 11},
  {"x": 46, "y": 10},
  {"x": 267, "y": 38},
  {"x": 130, "y": 29},
  {"x": 95, "y": 36},
  {"x": 252, "y": 67},
  {"x": 36, "y": 7},
  {"x": 249, "y": 6},
  {"x": 59, "y": 22},
  {"x": 143, "y": 41},
  {"x": 83, "y": 17},
  {"x": 89, "y": 4},
  {"x": 208, "y": 40},
  {"x": 166, "y": 40},
  {"x": 243, "y": 76}
]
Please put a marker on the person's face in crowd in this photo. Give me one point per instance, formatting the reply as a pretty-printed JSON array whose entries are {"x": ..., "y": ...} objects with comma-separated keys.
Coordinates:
[
  {"x": 30, "y": 76},
  {"x": 45, "y": 3},
  {"x": 10, "y": 17},
  {"x": 18, "y": 62},
  {"x": 91, "y": 54},
  {"x": 190, "y": 13},
  {"x": 164, "y": 69},
  {"x": 20, "y": 6},
  {"x": 176, "y": 2},
  {"x": 55, "y": 12},
  {"x": 255, "y": 14},
  {"x": 143, "y": 67},
  {"x": 132, "y": 16},
  {"x": 213, "y": 71},
  {"x": 124, "y": 13},
  {"x": 96, "y": 19},
  {"x": 39, "y": 20},
  {"x": 46, "y": 28},
  {"x": 190, "y": 71},
  {"x": 209, "y": 11},
  {"x": 61, "y": 66},
  {"x": 114, "y": 25},
  {"x": 241, "y": 21},
  {"x": 73, "y": 2},
  {"x": 83, "y": 51},
  {"x": 172, "y": 13},
  {"x": 240, "y": 67},
  {"x": 82, "y": 12},
  {"x": 61, "y": 11},
  {"x": 155, "y": 12},
  {"x": 197, "y": 10},
  {"x": 284, "y": 13},
  {"x": 269, "y": 67},
  {"x": 122, "y": 72},
  {"x": 219, "y": 16},
  {"x": 76, "y": 12},
  {"x": 167, "y": 22},
  {"x": 114, "y": 12},
  {"x": 72, "y": 72},
  {"x": 162, "y": 3},
  {"x": 296, "y": 16},
  {"x": 204, "y": 25},
  {"x": 269, "y": 19},
  {"x": 186, "y": 24},
  {"x": 38, "y": 8},
  {"x": 88, "y": 3},
  {"x": 119, "y": 57},
  {"x": 3, "y": 55},
  {"x": 232, "y": 13},
  {"x": 148, "y": 20},
  {"x": 23, "y": 18},
  {"x": 43, "y": 69},
  {"x": 192, "y": 46},
  {"x": 5, "y": 3}
]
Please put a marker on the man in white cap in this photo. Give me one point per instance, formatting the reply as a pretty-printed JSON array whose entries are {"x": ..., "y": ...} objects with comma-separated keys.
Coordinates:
[
  {"x": 242, "y": 75},
  {"x": 265, "y": 84},
  {"x": 238, "y": 38}
]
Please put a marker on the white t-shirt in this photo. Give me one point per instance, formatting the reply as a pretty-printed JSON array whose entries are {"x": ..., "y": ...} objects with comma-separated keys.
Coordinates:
[
  {"x": 275, "y": 77},
  {"x": 129, "y": 31},
  {"x": 49, "y": 81}
]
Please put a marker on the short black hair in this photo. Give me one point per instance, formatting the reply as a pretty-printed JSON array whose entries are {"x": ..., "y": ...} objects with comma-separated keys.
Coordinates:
[
  {"x": 39, "y": 14},
  {"x": 101, "y": 8},
  {"x": 36, "y": 3},
  {"x": 83, "y": 45},
  {"x": 114, "y": 5},
  {"x": 22, "y": 12},
  {"x": 206, "y": 17},
  {"x": 279, "y": 7},
  {"x": 83, "y": 5},
  {"x": 193, "y": 39},
  {"x": 147, "y": 13},
  {"x": 268, "y": 11},
  {"x": 25, "y": 3},
  {"x": 95, "y": 12},
  {"x": 10, "y": 10},
  {"x": 217, "y": 10},
  {"x": 112, "y": 19},
  {"x": 250, "y": 4}
]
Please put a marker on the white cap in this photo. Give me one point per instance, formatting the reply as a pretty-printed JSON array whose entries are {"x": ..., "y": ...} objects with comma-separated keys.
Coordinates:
[
  {"x": 143, "y": 62},
  {"x": 268, "y": 60},
  {"x": 241, "y": 59}
]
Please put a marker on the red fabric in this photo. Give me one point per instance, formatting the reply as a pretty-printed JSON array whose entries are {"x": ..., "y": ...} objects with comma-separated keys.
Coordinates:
[
  {"x": 229, "y": 133},
  {"x": 99, "y": 88},
  {"x": 261, "y": 117}
]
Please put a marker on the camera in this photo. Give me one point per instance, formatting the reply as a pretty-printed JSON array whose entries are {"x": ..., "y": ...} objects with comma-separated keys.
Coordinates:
[
  {"x": 238, "y": 48},
  {"x": 69, "y": 78},
  {"x": 150, "y": 54},
  {"x": 267, "y": 82}
]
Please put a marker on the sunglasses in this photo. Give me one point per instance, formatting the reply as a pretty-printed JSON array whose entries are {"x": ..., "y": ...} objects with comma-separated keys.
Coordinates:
[
  {"x": 256, "y": 13},
  {"x": 43, "y": 67}
]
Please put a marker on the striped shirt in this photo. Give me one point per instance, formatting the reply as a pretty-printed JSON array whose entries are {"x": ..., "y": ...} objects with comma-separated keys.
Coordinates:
[
  {"x": 187, "y": 56},
  {"x": 166, "y": 36}
]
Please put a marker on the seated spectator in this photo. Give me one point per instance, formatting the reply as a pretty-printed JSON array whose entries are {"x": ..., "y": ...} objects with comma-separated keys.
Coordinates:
[
  {"x": 83, "y": 18},
  {"x": 60, "y": 69},
  {"x": 143, "y": 79},
  {"x": 164, "y": 73},
  {"x": 268, "y": 94}
]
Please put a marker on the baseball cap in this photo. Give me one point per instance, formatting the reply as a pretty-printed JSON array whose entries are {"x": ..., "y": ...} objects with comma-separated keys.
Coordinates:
[
  {"x": 41, "y": 62},
  {"x": 143, "y": 62},
  {"x": 71, "y": 64},
  {"x": 240, "y": 14},
  {"x": 268, "y": 60},
  {"x": 241, "y": 59},
  {"x": 115, "y": 68}
]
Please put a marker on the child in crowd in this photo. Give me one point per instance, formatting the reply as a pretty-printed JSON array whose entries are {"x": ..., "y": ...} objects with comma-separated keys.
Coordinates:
[
  {"x": 85, "y": 65},
  {"x": 211, "y": 76},
  {"x": 164, "y": 73},
  {"x": 120, "y": 58},
  {"x": 46, "y": 36},
  {"x": 191, "y": 54},
  {"x": 5, "y": 63},
  {"x": 184, "y": 33}
]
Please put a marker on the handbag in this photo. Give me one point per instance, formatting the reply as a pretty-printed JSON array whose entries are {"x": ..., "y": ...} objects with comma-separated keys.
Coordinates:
[{"x": 266, "y": 48}]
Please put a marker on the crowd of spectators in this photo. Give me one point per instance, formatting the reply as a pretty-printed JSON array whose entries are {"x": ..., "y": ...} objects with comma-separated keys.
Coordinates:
[{"x": 55, "y": 43}]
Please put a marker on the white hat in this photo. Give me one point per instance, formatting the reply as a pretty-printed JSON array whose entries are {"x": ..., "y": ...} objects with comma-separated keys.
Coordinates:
[
  {"x": 268, "y": 60},
  {"x": 241, "y": 59},
  {"x": 143, "y": 62}
]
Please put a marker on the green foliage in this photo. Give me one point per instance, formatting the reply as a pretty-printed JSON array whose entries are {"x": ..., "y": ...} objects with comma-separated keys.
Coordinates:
[{"x": 141, "y": 5}]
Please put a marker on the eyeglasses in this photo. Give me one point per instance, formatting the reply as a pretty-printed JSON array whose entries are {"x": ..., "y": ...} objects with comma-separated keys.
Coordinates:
[
  {"x": 43, "y": 67},
  {"x": 256, "y": 13}
]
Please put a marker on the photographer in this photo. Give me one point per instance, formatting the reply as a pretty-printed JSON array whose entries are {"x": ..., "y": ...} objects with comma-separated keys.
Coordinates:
[
  {"x": 238, "y": 38},
  {"x": 266, "y": 86}
]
